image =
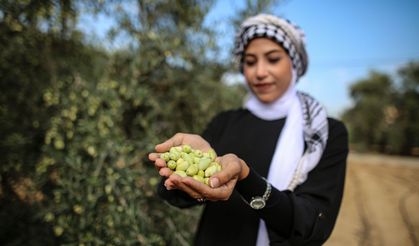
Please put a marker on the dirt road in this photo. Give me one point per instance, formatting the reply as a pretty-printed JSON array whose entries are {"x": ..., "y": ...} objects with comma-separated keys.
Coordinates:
[{"x": 381, "y": 202}]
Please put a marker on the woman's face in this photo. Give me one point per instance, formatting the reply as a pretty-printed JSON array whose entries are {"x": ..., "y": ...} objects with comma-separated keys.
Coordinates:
[{"x": 267, "y": 69}]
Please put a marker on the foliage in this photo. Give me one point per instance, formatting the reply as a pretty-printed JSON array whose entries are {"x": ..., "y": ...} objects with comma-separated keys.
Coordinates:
[
  {"x": 409, "y": 108},
  {"x": 384, "y": 114},
  {"x": 32, "y": 59},
  {"x": 103, "y": 189},
  {"x": 252, "y": 8},
  {"x": 371, "y": 96},
  {"x": 77, "y": 121}
]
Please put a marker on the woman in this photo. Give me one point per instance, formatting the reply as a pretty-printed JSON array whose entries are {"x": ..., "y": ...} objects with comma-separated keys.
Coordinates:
[{"x": 283, "y": 160}]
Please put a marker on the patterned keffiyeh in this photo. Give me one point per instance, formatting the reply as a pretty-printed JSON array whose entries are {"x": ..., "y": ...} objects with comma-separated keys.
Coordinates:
[
  {"x": 304, "y": 136},
  {"x": 282, "y": 31}
]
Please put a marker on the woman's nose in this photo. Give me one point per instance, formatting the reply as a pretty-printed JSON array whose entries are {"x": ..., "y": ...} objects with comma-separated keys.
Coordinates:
[{"x": 261, "y": 70}]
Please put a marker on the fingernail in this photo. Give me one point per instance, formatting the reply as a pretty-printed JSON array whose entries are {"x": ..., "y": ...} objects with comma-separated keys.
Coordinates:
[
  {"x": 168, "y": 187},
  {"x": 214, "y": 182}
]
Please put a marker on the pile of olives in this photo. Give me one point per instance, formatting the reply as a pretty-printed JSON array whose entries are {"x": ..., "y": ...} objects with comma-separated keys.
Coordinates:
[{"x": 186, "y": 161}]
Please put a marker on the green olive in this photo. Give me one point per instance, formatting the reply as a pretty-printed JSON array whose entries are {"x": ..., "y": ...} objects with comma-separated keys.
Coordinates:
[
  {"x": 186, "y": 148},
  {"x": 196, "y": 160},
  {"x": 165, "y": 156},
  {"x": 199, "y": 178},
  {"x": 187, "y": 158},
  {"x": 180, "y": 173},
  {"x": 204, "y": 163},
  {"x": 210, "y": 171},
  {"x": 192, "y": 170},
  {"x": 187, "y": 161},
  {"x": 174, "y": 150},
  {"x": 182, "y": 165},
  {"x": 197, "y": 153},
  {"x": 174, "y": 155},
  {"x": 212, "y": 154},
  {"x": 171, "y": 164}
]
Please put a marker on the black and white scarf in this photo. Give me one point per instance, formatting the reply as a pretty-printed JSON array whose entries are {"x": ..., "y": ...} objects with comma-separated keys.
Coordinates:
[
  {"x": 304, "y": 136},
  {"x": 306, "y": 124}
]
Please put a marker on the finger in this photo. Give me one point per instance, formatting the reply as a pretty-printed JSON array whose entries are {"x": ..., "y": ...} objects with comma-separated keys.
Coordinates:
[
  {"x": 160, "y": 163},
  {"x": 153, "y": 156},
  {"x": 165, "y": 172},
  {"x": 179, "y": 183},
  {"x": 176, "y": 140},
  {"x": 168, "y": 183},
  {"x": 223, "y": 192},
  {"x": 230, "y": 169},
  {"x": 196, "y": 187}
]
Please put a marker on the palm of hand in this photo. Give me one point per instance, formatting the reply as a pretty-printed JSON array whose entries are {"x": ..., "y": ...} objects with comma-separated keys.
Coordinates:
[{"x": 221, "y": 184}]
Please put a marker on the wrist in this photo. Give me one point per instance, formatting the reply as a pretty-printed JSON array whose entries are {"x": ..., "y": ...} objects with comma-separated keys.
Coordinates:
[
  {"x": 244, "y": 170},
  {"x": 254, "y": 190}
]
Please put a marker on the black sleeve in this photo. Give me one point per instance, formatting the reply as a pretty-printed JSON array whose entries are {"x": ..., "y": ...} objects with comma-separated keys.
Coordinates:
[
  {"x": 175, "y": 198},
  {"x": 308, "y": 214},
  {"x": 179, "y": 198},
  {"x": 215, "y": 128}
]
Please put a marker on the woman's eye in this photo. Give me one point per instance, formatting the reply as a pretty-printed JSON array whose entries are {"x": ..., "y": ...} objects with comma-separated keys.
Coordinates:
[
  {"x": 274, "y": 60},
  {"x": 249, "y": 62}
]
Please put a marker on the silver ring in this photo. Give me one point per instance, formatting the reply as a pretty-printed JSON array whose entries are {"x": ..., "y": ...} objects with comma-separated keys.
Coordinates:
[{"x": 203, "y": 199}]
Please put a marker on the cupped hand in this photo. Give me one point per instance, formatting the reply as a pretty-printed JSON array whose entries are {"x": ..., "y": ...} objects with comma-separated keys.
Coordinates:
[
  {"x": 195, "y": 141},
  {"x": 221, "y": 184}
]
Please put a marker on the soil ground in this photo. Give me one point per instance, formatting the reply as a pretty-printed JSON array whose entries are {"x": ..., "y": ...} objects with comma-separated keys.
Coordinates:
[{"x": 381, "y": 202}]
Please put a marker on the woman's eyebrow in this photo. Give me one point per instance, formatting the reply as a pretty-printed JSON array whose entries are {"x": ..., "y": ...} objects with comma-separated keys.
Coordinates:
[
  {"x": 274, "y": 51},
  {"x": 266, "y": 53}
]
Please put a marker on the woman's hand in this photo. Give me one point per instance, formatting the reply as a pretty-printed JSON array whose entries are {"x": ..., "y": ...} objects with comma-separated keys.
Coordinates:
[
  {"x": 221, "y": 184},
  {"x": 195, "y": 141}
]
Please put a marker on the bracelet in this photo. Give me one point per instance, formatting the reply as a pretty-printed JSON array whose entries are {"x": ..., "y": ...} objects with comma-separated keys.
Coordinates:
[{"x": 259, "y": 202}]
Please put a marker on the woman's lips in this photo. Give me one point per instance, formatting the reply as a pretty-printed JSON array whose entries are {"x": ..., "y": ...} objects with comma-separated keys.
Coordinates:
[{"x": 263, "y": 87}]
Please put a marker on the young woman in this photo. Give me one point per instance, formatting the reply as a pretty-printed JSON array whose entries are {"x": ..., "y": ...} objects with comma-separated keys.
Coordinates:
[{"x": 283, "y": 159}]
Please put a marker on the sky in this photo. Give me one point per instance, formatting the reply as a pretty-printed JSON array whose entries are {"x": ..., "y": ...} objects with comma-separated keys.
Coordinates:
[{"x": 345, "y": 40}]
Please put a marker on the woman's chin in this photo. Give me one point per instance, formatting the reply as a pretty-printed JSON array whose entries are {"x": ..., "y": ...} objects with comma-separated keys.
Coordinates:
[
  {"x": 266, "y": 96},
  {"x": 266, "y": 99}
]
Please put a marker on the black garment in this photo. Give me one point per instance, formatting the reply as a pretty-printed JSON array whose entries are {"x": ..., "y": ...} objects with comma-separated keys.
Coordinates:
[{"x": 305, "y": 216}]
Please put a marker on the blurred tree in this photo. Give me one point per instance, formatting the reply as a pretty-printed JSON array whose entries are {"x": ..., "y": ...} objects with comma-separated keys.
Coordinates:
[
  {"x": 77, "y": 121},
  {"x": 254, "y": 7},
  {"x": 168, "y": 58},
  {"x": 96, "y": 146},
  {"x": 38, "y": 47},
  {"x": 409, "y": 107},
  {"x": 373, "y": 97},
  {"x": 384, "y": 116}
]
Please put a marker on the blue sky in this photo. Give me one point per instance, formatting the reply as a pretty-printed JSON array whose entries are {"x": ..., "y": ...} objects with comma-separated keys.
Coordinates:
[{"x": 345, "y": 40}]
